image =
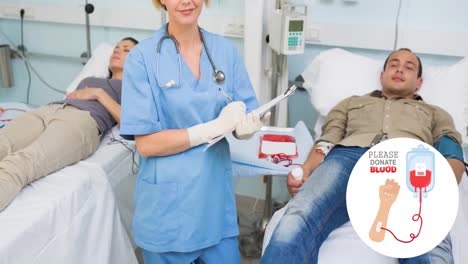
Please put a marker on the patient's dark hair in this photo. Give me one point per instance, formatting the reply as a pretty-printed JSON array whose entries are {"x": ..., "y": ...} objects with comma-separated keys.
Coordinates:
[
  {"x": 127, "y": 38},
  {"x": 406, "y": 49}
]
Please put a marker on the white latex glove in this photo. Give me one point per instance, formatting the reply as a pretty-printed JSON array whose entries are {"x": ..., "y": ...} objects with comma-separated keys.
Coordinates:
[
  {"x": 230, "y": 115},
  {"x": 250, "y": 124}
]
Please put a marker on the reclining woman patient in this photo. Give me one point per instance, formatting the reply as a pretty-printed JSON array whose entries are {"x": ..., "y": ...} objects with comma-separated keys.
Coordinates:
[{"x": 54, "y": 136}]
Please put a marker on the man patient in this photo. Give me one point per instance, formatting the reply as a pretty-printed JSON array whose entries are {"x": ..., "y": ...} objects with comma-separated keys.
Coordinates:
[
  {"x": 61, "y": 133},
  {"x": 352, "y": 126}
]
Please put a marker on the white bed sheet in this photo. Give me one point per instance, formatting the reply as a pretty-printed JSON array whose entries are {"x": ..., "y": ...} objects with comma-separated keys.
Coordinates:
[
  {"x": 352, "y": 250},
  {"x": 80, "y": 214},
  {"x": 118, "y": 163}
]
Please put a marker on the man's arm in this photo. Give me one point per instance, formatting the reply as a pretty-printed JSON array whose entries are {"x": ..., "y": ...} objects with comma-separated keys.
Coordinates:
[
  {"x": 458, "y": 168},
  {"x": 451, "y": 149},
  {"x": 333, "y": 131},
  {"x": 448, "y": 141},
  {"x": 313, "y": 161}
]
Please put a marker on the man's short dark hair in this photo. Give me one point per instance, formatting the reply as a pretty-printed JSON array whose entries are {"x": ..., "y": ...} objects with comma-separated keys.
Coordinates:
[{"x": 420, "y": 70}]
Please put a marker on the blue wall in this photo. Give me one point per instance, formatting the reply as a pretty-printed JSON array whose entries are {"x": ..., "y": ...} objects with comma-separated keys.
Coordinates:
[
  {"x": 54, "y": 48},
  {"x": 55, "y": 54},
  {"x": 415, "y": 15}
]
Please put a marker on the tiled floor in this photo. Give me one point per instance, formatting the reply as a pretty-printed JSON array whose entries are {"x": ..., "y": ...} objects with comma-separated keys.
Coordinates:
[{"x": 250, "y": 212}]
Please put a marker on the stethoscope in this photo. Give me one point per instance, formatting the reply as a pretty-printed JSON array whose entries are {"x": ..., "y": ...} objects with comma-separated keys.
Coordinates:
[{"x": 218, "y": 76}]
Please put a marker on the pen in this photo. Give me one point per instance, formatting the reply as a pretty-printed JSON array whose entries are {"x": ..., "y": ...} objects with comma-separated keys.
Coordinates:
[{"x": 225, "y": 95}]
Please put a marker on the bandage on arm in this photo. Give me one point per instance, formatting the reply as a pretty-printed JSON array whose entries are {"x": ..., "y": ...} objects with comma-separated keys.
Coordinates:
[
  {"x": 227, "y": 120},
  {"x": 376, "y": 233},
  {"x": 323, "y": 147},
  {"x": 378, "y": 228}
]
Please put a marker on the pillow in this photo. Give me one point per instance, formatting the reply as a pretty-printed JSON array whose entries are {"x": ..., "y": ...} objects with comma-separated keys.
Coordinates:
[
  {"x": 447, "y": 87},
  {"x": 336, "y": 74},
  {"x": 97, "y": 65}
]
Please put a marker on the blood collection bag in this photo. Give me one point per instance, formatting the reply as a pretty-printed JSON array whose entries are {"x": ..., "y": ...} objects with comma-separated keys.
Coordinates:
[
  {"x": 274, "y": 145},
  {"x": 420, "y": 169}
]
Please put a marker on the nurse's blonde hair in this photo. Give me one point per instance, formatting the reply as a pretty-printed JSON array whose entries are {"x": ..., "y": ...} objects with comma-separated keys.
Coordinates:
[{"x": 158, "y": 5}]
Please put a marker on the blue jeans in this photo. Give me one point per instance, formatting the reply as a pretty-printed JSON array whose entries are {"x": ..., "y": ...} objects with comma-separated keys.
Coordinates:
[{"x": 320, "y": 207}]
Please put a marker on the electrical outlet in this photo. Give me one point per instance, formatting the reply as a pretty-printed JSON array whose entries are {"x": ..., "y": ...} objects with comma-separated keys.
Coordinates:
[
  {"x": 234, "y": 29},
  {"x": 10, "y": 12},
  {"x": 312, "y": 34},
  {"x": 240, "y": 29},
  {"x": 28, "y": 12},
  {"x": 230, "y": 28},
  {"x": 14, "y": 12}
]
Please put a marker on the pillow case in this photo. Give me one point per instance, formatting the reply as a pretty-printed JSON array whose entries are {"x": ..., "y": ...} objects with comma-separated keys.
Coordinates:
[
  {"x": 336, "y": 74},
  {"x": 97, "y": 65},
  {"x": 447, "y": 87}
]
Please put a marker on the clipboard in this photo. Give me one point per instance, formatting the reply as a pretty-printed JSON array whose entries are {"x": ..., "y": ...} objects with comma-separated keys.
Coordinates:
[{"x": 260, "y": 110}]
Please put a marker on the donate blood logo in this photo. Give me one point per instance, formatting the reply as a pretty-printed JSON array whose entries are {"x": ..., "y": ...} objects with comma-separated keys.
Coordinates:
[{"x": 402, "y": 198}]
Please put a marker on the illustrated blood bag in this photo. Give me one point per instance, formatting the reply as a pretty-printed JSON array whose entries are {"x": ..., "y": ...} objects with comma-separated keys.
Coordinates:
[{"x": 420, "y": 169}]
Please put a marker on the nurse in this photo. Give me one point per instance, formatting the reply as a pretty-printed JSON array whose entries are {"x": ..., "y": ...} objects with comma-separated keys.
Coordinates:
[{"x": 184, "y": 204}]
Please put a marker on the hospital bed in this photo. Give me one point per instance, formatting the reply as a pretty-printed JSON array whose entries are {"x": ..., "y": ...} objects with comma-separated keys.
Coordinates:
[
  {"x": 79, "y": 214},
  {"x": 336, "y": 74}
]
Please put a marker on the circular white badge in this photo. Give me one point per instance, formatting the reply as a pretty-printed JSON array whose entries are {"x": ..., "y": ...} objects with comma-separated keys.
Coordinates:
[{"x": 402, "y": 198}]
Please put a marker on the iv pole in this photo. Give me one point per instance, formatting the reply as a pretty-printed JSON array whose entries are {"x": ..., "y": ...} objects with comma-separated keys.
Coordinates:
[
  {"x": 251, "y": 244},
  {"x": 279, "y": 62},
  {"x": 85, "y": 56}
]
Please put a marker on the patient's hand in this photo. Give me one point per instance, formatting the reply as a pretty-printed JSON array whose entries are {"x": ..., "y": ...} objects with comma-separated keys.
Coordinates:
[
  {"x": 87, "y": 93},
  {"x": 293, "y": 184}
]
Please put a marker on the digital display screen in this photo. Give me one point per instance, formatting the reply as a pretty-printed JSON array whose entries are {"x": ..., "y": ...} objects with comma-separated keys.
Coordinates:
[{"x": 296, "y": 25}]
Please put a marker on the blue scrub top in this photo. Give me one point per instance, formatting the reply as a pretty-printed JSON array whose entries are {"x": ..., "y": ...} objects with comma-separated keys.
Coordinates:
[{"x": 183, "y": 202}]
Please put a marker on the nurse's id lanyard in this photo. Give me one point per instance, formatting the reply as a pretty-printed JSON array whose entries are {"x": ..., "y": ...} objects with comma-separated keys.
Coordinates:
[{"x": 218, "y": 76}]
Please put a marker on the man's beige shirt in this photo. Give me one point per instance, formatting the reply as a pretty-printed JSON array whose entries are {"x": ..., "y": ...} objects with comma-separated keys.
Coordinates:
[{"x": 356, "y": 121}]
